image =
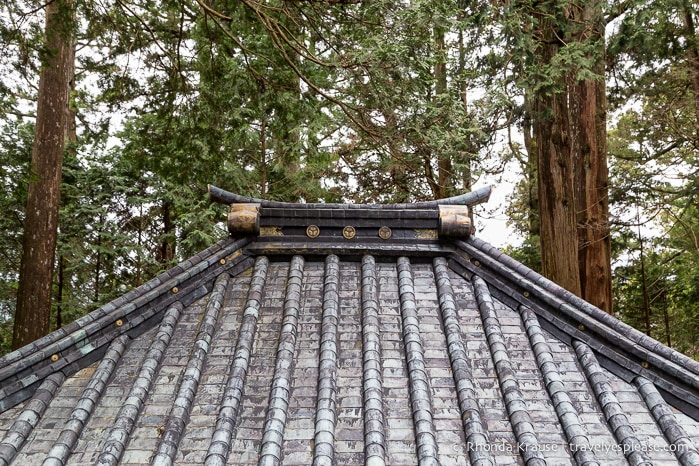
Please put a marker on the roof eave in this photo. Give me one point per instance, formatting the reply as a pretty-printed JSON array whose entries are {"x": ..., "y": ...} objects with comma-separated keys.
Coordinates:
[
  {"x": 85, "y": 340},
  {"x": 621, "y": 349}
]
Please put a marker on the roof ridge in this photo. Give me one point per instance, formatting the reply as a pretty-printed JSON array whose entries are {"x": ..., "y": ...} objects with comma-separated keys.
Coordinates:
[
  {"x": 116, "y": 303},
  {"x": 22, "y": 370},
  {"x": 622, "y": 355},
  {"x": 474, "y": 197},
  {"x": 561, "y": 293}
]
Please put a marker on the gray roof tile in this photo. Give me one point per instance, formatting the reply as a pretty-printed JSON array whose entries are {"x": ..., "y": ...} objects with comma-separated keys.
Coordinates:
[{"x": 294, "y": 352}]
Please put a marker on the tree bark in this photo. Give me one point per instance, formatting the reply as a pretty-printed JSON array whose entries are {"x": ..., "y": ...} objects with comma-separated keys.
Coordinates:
[
  {"x": 644, "y": 285},
  {"x": 588, "y": 118},
  {"x": 59, "y": 296},
  {"x": 467, "y": 151},
  {"x": 98, "y": 260},
  {"x": 559, "y": 246},
  {"x": 552, "y": 133},
  {"x": 592, "y": 204},
  {"x": 571, "y": 142},
  {"x": 33, "y": 312}
]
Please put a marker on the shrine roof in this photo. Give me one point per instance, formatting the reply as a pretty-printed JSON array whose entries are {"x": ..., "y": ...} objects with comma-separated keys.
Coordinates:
[{"x": 331, "y": 334}]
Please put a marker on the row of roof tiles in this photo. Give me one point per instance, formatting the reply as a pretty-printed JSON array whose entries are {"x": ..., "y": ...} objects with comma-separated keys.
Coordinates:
[
  {"x": 295, "y": 347},
  {"x": 380, "y": 343}
]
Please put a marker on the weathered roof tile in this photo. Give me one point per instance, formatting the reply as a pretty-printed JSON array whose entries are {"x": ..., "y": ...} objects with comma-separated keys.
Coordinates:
[{"x": 290, "y": 350}]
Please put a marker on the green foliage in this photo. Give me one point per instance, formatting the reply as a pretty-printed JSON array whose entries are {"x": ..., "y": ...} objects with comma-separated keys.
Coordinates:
[
  {"x": 654, "y": 167},
  {"x": 15, "y": 153},
  {"x": 668, "y": 312},
  {"x": 333, "y": 101},
  {"x": 528, "y": 253}
]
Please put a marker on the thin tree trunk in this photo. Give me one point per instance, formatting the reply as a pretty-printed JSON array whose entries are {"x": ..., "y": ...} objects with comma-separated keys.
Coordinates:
[
  {"x": 532, "y": 170},
  {"x": 167, "y": 245},
  {"x": 59, "y": 297},
  {"x": 263, "y": 157},
  {"x": 139, "y": 261},
  {"x": 469, "y": 150},
  {"x": 644, "y": 285},
  {"x": 98, "y": 260},
  {"x": 285, "y": 139},
  {"x": 33, "y": 312},
  {"x": 693, "y": 55},
  {"x": 666, "y": 316},
  {"x": 444, "y": 163}
]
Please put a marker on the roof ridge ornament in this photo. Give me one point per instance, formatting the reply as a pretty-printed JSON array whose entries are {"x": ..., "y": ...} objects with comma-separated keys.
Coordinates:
[
  {"x": 418, "y": 223},
  {"x": 244, "y": 219},
  {"x": 454, "y": 221}
]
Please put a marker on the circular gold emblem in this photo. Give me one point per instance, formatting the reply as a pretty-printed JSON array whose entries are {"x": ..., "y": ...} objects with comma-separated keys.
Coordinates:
[
  {"x": 385, "y": 232},
  {"x": 312, "y": 231},
  {"x": 349, "y": 232}
]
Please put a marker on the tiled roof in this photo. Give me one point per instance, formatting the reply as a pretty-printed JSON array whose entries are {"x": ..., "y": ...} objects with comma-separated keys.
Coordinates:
[{"x": 297, "y": 345}]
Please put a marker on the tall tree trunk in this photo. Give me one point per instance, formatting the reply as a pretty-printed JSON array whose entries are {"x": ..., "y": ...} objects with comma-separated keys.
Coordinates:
[
  {"x": 467, "y": 151},
  {"x": 33, "y": 312},
  {"x": 71, "y": 140},
  {"x": 666, "y": 317},
  {"x": 644, "y": 284},
  {"x": 588, "y": 118},
  {"x": 98, "y": 260},
  {"x": 570, "y": 134},
  {"x": 285, "y": 139},
  {"x": 559, "y": 246},
  {"x": 263, "y": 157},
  {"x": 552, "y": 133},
  {"x": 139, "y": 256}
]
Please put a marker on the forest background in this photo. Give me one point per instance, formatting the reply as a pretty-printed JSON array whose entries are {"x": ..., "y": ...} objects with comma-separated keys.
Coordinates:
[{"x": 358, "y": 101}]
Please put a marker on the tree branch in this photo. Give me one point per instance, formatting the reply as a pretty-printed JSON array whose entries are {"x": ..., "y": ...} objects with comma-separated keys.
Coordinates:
[{"x": 213, "y": 12}]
